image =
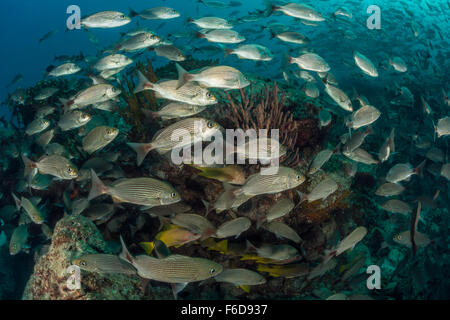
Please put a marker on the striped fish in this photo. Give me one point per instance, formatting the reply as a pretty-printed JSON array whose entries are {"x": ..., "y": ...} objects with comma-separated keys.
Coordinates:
[
  {"x": 73, "y": 119},
  {"x": 178, "y": 110},
  {"x": 18, "y": 239},
  {"x": 282, "y": 230},
  {"x": 147, "y": 192},
  {"x": 189, "y": 93},
  {"x": 233, "y": 228},
  {"x": 54, "y": 165},
  {"x": 172, "y": 269},
  {"x": 198, "y": 128},
  {"x": 195, "y": 223},
  {"x": 286, "y": 178},
  {"x": 45, "y": 138},
  {"x": 104, "y": 263},
  {"x": 30, "y": 208},
  {"x": 98, "y": 138}
]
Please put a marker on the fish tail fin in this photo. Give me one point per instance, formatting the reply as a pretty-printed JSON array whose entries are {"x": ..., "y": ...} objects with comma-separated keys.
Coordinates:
[
  {"x": 391, "y": 140},
  {"x": 227, "y": 52},
  {"x": 419, "y": 169},
  {"x": 29, "y": 165},
  {"x": 17, "y": 201},
  {"x": 125, "y": 254},
  {"x": 97, "y": 188},
  {"x": 149, "y": 113},
  {"x": 287, "y": 60},
  {"x": 66, "y": 103},
  {"x": 183, "y": 76},
  {"x": 132, "y": 13},
  {"x": 143, "y": 84},
  {"x": 141, "y": 149},
  {"x": 336, "y": 150},
  {"x": 355, "y": 94},
  {"x": 199, "y": 35},
  {"x": 270, "y": 6},
  {"x": 329, "y": 254}
]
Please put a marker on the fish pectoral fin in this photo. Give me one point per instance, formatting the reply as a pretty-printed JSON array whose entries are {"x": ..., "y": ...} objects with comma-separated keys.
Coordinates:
[
  {"x": 177, "y": 288},
  {"x": 245, "y": 288}
]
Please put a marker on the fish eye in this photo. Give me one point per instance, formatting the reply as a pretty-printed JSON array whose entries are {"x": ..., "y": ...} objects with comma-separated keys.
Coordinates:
[
  {"x": 69, "y": 170},
  {"x": 212, "y": 271},
  {"x": 83, "y": 263},
  {"x": 173, "y": 194},
  {"x": 298, "y": 177},
  {"x": 211, "y": 124}
]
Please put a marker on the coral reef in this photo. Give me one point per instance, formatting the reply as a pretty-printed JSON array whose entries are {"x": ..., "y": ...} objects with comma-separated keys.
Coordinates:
[{"x": 74, "y": 236}]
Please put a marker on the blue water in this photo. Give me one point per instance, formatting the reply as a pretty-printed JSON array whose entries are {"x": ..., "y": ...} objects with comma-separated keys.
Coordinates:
[{"x": 24, "y": 22}]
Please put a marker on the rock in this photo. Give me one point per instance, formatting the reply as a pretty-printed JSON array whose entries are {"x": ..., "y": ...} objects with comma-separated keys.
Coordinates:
[{"x": 74, "y": 236}]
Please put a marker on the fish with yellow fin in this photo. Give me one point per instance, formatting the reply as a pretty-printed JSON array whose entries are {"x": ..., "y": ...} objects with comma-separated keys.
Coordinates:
[
  {"x": 241, "y": 278},
  {"x": 286, "y": 271},
  {"x": 225, "y": 247},
  {"x": 232, "y": 174},
  {"x": 172, "y": 236}
]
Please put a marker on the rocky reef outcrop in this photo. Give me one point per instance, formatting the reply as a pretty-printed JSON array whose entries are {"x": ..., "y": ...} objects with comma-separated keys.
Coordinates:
[{"x": 73, "y": 237}]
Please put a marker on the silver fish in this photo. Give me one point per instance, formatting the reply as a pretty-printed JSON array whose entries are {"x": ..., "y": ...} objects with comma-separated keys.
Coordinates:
[
  {"x": 311, "y": 62},
  {"x": 233, "y": 228},
  {"x": 105, "y": 20},
  {"x": 240, "y": 277},
  {"x": 198, "y": 128},
  {"x": 73, "y": 119},
  {"x": 282, "y": 230},
  {"x": 189, "y": 93},
  {"x": 113, "y": 61},
  {"x": 146, "y": 192},
  {"x": 214, "y": 77},
  {"x": 98, "y": 138}
]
